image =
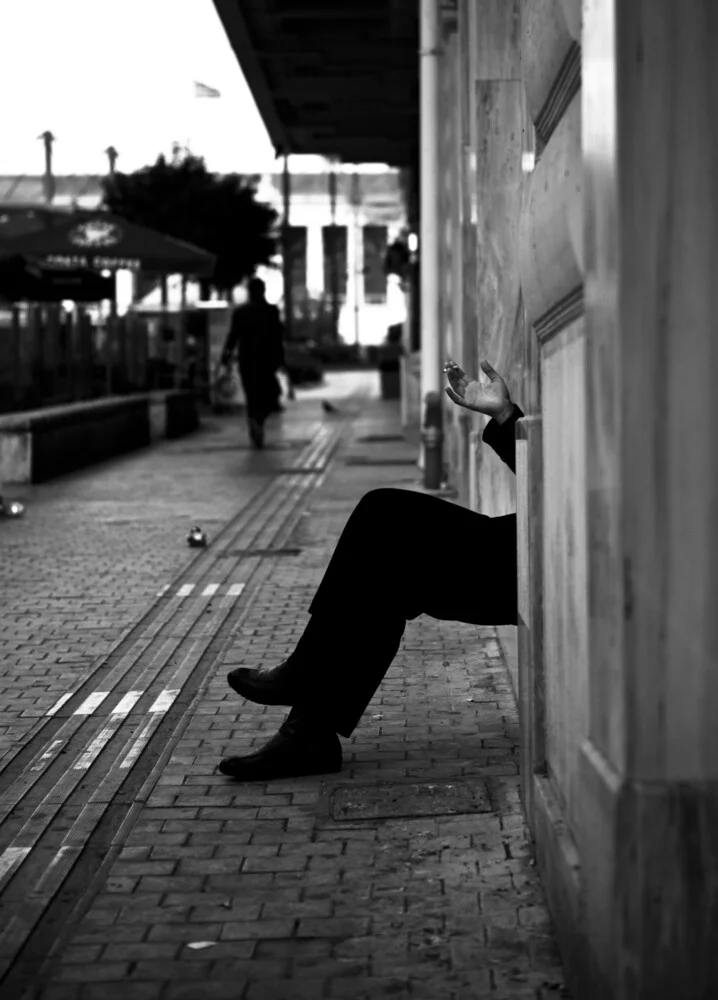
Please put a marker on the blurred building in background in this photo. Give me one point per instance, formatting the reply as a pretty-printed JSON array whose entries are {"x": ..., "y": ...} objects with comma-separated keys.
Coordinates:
[
  {"x": 345, "y": 233},
  {"x": 558, "y": 160}
]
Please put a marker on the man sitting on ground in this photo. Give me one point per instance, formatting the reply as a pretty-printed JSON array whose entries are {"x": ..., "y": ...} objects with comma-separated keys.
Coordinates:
[{"x": 401, "y": 554}]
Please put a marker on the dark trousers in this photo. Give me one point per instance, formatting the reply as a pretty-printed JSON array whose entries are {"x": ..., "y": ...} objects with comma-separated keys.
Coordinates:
[
  {"x": 259, "y": 384},
  {"x": 401, "y": 554}
]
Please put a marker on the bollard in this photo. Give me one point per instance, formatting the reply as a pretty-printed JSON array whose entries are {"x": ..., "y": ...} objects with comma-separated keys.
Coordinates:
[{"x": 433, "y": 440}]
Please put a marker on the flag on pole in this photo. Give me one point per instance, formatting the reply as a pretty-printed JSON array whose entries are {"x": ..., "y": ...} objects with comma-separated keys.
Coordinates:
[{"x": 202, "y": 90}]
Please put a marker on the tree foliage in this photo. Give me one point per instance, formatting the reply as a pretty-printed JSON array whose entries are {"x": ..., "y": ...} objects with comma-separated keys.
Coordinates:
[{"x": 218, "y": 212}]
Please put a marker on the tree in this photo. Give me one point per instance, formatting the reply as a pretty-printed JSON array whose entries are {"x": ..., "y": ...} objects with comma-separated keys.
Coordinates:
[{"x": 219, "y": 213}]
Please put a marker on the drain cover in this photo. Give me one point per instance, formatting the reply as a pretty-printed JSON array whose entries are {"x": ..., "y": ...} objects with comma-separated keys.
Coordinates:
[
  {"x": 302, "y": 471},
  {"x": 371, "y": 802},
  {"x": 378, "y": 438},
  {"x": 246, "y": 553},
  {"x": 194, "y": 449},
  {"x": 365, "y": 460}
]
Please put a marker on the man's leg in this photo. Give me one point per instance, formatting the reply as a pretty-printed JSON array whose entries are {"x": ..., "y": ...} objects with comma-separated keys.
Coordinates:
[
  {"x": 400, "y": 554},
  {"x": 255, "y": 416},
  {"x": 277, "y": 395}
]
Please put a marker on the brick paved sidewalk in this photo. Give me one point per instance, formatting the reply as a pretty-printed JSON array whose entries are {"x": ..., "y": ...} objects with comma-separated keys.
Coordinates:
[
  {"x": 94, "y": 547},
  {"x": 406, "y": 875}
]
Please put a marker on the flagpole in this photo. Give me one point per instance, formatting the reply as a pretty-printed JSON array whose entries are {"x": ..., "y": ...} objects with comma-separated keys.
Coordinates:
[
  {"x": 287, "y": 248},
  {"x": 201, "y": 91}
]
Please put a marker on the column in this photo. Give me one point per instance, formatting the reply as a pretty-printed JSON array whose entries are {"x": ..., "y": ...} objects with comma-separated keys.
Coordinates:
[
  {"x": 429, "y": 244},
  {"x": 315, "y": 260},
  {"x": 651, "y": 763}
]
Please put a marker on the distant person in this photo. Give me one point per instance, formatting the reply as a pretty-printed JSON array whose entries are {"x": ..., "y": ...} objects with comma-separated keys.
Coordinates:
[{"x": 257, "y": 335}]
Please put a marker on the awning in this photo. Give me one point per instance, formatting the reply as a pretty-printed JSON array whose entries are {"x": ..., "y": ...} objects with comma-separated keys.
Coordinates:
[
  {"x": 23, "y": 280},
  {"x": 331, "y": 78},
  {"x": 102, "y": 241}
]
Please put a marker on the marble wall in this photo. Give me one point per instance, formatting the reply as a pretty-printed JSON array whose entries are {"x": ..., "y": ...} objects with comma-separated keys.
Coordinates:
[
  {"x": 521, "y": 221},
  {"x": 565, "y": 651},
  {"x": 587, "y": 277}
]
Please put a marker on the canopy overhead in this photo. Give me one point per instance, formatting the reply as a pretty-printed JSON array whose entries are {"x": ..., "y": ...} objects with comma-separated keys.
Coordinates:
[
  {"x": 330, "y": 78},
  {"x": 23, "y": 280},
  {"x": 101, "y": 241},
  {"x": 20, "y": 218}
]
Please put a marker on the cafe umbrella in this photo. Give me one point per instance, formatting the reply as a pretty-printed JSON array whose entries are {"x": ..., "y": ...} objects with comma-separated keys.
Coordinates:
[
  {"x": 23, "y": 279},
  {"x": 102, "y": 241}
]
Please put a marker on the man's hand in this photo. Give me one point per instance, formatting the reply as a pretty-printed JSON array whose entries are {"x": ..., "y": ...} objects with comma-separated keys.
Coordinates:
[{"x": 493, "y": 399}]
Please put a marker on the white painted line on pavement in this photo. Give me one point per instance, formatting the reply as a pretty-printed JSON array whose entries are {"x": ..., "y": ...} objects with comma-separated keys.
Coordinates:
[
  {"x": 90, "y": 704},
  {"x": 49, "y": 753},
  {"x": 163, "y": 700},
  {"x": 101, "y": 740},
  {"x": 57, "y": 859},
  {"x": 185, "y": 590},
  {"x": 236, "y": 589},
  {"x": 10, "y": 858},
  {"x": 127, "y": 703},
  {"x": 210, "y": 590},
  {"x": 137, "y": 747},
  {"x": 120, "y": 712},
  {"x": 157, "y": 710},
  {"x": 59, "y": 703}
]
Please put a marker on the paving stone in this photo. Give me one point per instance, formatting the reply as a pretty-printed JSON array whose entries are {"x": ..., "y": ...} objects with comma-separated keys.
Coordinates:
[
  {"x": 168, "y": 972},
  {"x": 105, "y": 972},
  {"x": 442, "y": 907},
  {"x": 209, "y": 990},
  {"x": 301, "y": 989},
  {"x": 123, "y": 991},
  {"x": 257, "y": 929}
]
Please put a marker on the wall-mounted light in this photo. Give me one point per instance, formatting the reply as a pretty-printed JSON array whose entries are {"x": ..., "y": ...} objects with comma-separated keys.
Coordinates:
[
  {"x": 528, "y": 161},
  {"x": 412, "y": 242}
]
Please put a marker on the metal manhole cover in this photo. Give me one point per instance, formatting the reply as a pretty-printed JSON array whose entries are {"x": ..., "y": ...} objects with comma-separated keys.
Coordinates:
[
  {"x": 303, "y": 471},
  {"x": 391, "y": 801},
  {"x": 247, "y": 553},
  {"x": 239, "y": 446},
  {"x": 379, "y": 438},
  {"x": 365, "y": 460}
]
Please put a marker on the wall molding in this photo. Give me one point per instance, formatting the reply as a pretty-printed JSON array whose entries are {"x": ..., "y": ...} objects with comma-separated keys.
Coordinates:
[
  {"x": 563, "y": 90},
  {"x": 562, "y": 314},
  {"x": 561, "y": 871}
]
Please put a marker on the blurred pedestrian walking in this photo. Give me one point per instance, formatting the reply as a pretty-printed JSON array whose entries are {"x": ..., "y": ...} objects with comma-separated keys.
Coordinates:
[{"x": 256, "y": 334}]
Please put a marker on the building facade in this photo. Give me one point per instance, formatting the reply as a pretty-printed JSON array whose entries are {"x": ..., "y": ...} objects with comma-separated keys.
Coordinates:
[
  {"x": 339, "y": 234},
  {"x": 574, "y": 178},
  {"x": 338, "y": 240},
  {"x": 579, "y": 195}
]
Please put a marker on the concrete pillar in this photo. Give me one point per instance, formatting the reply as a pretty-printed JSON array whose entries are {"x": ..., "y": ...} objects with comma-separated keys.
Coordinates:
[
  {"x": 315, "y": 261},
  {"x": 287, "y": 249},
  {"x": 431, "y": 348},
  {"x": 650, "y": 766},
  {"x": 352, "y": 314},
  {"x": 451, "y": 334}
]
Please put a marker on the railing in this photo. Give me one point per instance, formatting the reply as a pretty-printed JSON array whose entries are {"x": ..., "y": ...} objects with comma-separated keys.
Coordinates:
[{"x": 50, "y": 356}]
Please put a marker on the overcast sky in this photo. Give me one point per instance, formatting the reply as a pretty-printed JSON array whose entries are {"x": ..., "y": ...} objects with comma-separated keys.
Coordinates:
[{"x": 121, "y": 72}]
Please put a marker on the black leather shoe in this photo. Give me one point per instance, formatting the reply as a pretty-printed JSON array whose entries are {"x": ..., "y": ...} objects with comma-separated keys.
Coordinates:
[
  {"x": 264, "y": 687},
  {"x": 291, "y": 753}
]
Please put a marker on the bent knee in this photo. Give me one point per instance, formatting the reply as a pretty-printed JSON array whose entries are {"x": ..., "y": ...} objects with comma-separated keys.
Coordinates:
[{"x": 382, "y": 498}]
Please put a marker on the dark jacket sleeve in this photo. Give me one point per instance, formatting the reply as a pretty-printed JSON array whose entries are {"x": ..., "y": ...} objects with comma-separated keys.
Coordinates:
[
  {"x": 502, "y": 437},
  {"x": 230, "y": 344}
]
